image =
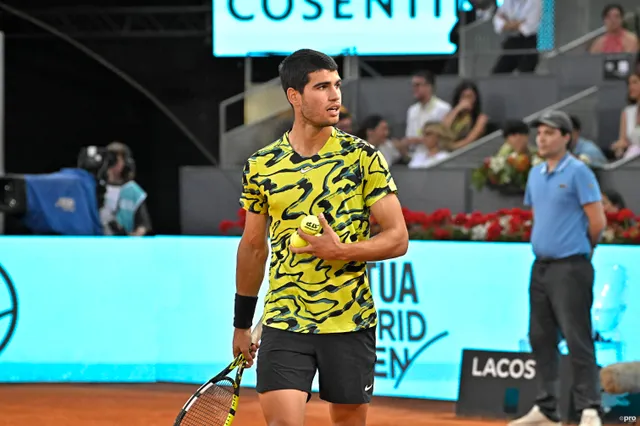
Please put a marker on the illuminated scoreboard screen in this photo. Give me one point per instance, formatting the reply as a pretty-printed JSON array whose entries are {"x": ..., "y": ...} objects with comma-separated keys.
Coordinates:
[{"x": 362, "y": 27}]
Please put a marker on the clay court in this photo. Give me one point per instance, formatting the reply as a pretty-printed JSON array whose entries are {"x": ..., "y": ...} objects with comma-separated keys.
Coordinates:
[{"x": 157, "y": 405}]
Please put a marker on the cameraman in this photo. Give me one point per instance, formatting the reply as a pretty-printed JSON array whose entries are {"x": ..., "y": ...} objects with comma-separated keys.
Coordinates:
[{"x": 124, "y": 211}]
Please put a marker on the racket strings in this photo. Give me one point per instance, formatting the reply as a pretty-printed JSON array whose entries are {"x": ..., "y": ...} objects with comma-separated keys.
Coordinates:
[{"x": 212, "y": 407}]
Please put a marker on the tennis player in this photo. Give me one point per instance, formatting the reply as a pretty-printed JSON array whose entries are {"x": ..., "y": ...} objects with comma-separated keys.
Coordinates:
[{"x": 319, "y": 314}]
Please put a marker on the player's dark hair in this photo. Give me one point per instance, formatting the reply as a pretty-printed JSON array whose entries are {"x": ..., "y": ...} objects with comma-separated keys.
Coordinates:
[
  {"x": 427, "y": 75},
  {"x": 295, "y": 69},
  {"x": 612, "y": 6}
]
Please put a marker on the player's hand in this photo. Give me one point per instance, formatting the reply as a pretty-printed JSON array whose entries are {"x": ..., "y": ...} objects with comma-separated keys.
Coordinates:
[
  {"x": 242, "y": 345},
  {"x": 326, "y": 246}
]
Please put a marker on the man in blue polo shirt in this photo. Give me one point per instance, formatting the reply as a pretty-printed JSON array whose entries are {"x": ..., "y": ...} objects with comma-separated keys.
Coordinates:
[{"x": 568, "y": 220}]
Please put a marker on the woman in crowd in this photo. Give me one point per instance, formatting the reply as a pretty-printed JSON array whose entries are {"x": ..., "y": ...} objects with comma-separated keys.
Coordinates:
[
  {"x": 628, "y": 144},
  {"x": 435, "y": 137},
  {"x": 617, "y": 39},
  {"x": 125, "y": 209},
  {"x": 466, "y": 120},
  {"x": 375, "y": 130}
]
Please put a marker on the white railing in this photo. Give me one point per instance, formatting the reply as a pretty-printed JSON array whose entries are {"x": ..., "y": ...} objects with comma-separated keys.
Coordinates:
[
  {"x": 564, "y": 103},
  {"x": 621, "y": 162},
  {"x": 574, "y": 44}
]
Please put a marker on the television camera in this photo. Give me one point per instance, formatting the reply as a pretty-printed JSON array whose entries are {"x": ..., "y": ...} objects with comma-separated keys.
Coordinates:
[{"x": 66, "y": 202}]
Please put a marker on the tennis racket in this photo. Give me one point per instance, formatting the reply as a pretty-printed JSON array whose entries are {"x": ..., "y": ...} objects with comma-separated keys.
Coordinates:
[{"x": 215, "y": 403}]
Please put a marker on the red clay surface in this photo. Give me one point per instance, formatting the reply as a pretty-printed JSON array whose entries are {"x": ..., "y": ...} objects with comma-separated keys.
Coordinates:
[{"x": 158, "y": 405}]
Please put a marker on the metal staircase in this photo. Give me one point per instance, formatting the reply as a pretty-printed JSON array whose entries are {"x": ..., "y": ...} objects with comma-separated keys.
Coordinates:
[{"x": 266, "y": 113}]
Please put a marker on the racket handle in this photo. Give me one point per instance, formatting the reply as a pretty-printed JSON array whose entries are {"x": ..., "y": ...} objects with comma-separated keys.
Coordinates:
[{"x": 256, "y": 334}]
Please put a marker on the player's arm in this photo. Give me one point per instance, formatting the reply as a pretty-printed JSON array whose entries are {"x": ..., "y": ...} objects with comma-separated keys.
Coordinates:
[
  {"x": 250, "y": 266},
  {"x": 251, "y": 259},
  {"x": 379, "y": 197},
  {"x": 392, "y": 241},
  {"x": 252, "y": 249}
]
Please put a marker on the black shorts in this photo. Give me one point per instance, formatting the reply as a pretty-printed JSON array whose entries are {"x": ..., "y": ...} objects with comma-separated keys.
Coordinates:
[{"x": 345, "y": 363}]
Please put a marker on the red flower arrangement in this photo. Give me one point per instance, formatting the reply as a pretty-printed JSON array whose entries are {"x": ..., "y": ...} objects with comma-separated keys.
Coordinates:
[
  {"x": 507, "y": 225},
  {"x": 503, "y": 225},
  {"x": 623, "y": 227}
]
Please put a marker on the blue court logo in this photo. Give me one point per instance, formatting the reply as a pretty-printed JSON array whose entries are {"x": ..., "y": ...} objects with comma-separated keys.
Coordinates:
[
  {"x": 8, "y": 309},
  {"x": 402, "y": 326}
]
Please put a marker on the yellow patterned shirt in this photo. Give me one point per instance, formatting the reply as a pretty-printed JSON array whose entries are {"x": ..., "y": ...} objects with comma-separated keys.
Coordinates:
[{"x": 342, "y": 181}]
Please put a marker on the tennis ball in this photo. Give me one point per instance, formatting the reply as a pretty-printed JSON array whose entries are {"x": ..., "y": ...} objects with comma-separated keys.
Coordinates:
[
  {"x": 310, "y": 225},
  {"x": 297, "y": 241}
]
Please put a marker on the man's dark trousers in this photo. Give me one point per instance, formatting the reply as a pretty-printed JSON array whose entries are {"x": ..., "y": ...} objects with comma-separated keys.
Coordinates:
[
  {"x": 561, "y": 296},
  {"x": 523, "y": 62}
]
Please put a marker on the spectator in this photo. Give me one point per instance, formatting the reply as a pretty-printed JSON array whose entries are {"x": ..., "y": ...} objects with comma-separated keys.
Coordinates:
[
  {"x": 466, "y": 120},
  {"x": 519, "y": 21},
  {"x": 375, "y": 130},
  {"x": 345, "y": 120},
  {"x": 616, "y": 39},
  {"x": 428, "y": 108},
  {"x": 435, "y": 136},
  {"x": 585, "y": 149},
  {"x": 516, "y": 138},
  {"x": 612, "y": 201},
  {"x": 124, "y": 211},
  {"x": 483, "y": 10},
  {"x": 628, "y": 143}
]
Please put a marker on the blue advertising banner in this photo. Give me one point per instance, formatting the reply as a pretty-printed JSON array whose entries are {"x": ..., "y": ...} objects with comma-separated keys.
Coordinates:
[
  {"x": 335, "y": 27},
  {"x": 363, "y": 27},
  {"x": 160, "y": 309}
]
